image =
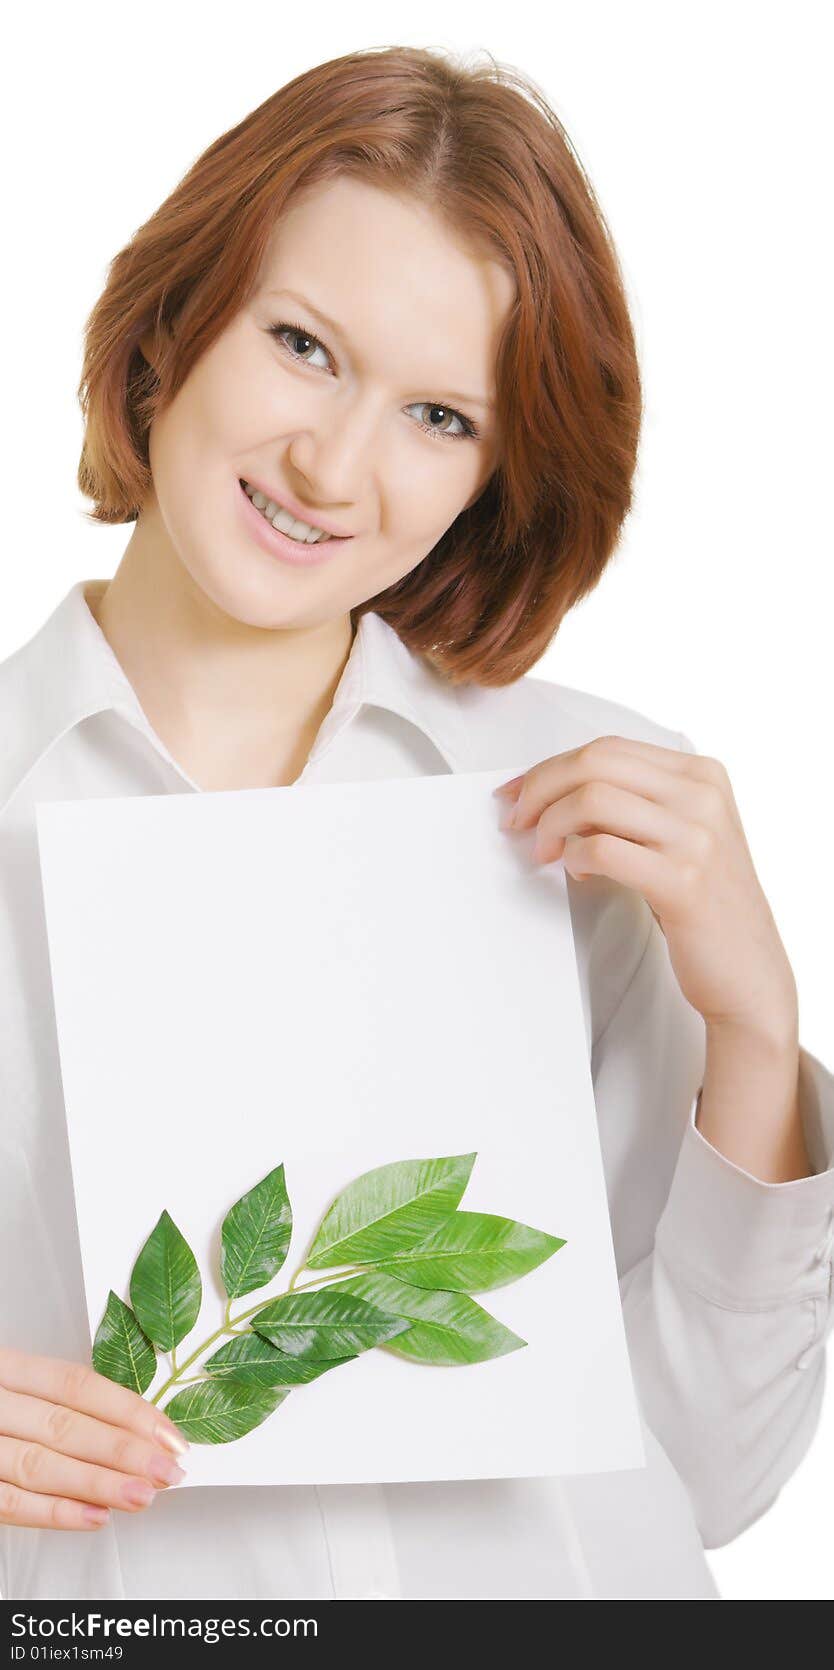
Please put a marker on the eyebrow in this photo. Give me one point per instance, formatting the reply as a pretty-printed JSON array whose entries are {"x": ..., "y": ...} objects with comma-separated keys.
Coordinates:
[{"x": 336, "y": 330}]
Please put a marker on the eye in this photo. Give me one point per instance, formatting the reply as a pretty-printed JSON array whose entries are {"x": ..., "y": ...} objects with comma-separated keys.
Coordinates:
[
  {"x": 467, "y": 430},
  {"x": 301, "y": 335}
]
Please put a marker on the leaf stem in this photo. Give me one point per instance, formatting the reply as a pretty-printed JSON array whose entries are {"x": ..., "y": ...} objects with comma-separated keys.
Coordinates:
[
  {"x": 337, "y": 1275},
  {"x": 230, "y": 1326},
  {"x": 187, "y": 1364}
]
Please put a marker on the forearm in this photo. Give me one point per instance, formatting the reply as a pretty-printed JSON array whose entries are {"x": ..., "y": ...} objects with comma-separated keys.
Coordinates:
[{"x": 749, "y": 1106}]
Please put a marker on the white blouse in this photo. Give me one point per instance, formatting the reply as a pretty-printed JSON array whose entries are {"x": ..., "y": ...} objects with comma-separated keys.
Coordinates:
[{"x": 726, "y": 1281}]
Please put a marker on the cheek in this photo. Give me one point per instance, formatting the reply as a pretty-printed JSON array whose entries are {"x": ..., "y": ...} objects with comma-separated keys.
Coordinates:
[
  {"x": 236, "y": 402},
  {"x": 415, "y": 514},
  {"x": 188, "y": 442},
  {"x": 424, "y": 494},
  {"x": 247, "y": 414}
]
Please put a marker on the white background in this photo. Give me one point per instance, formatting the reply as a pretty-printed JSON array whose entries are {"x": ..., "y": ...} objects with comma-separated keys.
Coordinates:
[{"x": 705, "y": 134}]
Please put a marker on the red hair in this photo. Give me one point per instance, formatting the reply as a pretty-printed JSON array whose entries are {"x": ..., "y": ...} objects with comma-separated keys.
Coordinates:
[{"x": 481, "y": 146}]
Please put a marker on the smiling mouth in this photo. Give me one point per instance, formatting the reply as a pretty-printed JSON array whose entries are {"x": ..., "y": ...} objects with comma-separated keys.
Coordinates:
[
  {"x": 271, "y": 537},
  {"x": 283, "y": 520}
]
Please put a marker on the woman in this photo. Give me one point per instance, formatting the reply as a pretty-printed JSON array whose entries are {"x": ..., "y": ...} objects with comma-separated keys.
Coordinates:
[{"x": 366, "y": 385}]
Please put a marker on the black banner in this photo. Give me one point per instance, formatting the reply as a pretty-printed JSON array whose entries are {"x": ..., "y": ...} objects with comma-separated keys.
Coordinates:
[{"x": 101, "y": 1633}]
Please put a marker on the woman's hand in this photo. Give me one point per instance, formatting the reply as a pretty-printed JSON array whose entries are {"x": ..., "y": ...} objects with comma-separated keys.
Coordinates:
[
  {"x": 666, "y": 823},
  {"x": 74, "y": 1444}
]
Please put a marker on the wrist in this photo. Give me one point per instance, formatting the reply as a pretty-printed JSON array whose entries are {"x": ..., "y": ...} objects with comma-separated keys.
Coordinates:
[
  {"x": 774, "y": 1035},
  {"x": 749, "y": 1108}
]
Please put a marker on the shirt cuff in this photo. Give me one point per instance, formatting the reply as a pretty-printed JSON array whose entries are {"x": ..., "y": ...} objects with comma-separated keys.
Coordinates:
[{"x": 742, "y": 1242}]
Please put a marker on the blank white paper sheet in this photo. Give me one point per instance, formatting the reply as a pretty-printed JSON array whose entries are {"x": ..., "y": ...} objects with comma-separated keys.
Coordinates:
[{"x": 335, "y": 976}]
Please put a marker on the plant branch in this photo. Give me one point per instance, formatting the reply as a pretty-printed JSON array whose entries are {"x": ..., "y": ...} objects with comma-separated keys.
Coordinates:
[
  {"x": 230, "y": 1326},
  {"x": 337, "y": 1275}
]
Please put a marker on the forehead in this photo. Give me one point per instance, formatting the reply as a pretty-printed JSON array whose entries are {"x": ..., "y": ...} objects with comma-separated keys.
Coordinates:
[{"x": 389, "y": 274}]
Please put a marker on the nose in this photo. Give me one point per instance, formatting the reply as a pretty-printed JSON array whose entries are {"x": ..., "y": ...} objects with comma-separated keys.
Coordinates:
[{"x": 337, "y": 456}]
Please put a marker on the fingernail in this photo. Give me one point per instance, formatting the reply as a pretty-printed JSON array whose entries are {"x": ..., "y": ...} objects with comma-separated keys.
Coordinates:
[
  {"x": 95, "y": 1516},
  {"x": 164, "y": 1471},
  {"x": 138, "y": 1492},
  {"x": 511, "y": 787},
  {"x": 172, "y": 1439}
]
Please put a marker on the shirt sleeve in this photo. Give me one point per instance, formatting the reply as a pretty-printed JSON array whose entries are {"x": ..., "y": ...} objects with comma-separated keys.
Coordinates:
[{"x": 728, "y": 1308}]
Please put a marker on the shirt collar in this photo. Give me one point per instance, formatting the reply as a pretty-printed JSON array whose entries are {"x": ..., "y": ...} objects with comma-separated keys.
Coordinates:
[
  {"x": 67, "y": 671},
  {"x": 382, "y": 672}
]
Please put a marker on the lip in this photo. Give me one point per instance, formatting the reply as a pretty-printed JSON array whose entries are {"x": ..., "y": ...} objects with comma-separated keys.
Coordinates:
[
  {"x": 295, "y": 509},
  {"x": 277, "y": 544}
]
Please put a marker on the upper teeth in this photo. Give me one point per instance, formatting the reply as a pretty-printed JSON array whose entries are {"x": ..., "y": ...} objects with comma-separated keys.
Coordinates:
[{"x": 281, "y": 518}]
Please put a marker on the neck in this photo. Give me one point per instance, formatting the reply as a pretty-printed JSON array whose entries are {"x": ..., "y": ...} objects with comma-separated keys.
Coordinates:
[{"x": 237, "y": 706}]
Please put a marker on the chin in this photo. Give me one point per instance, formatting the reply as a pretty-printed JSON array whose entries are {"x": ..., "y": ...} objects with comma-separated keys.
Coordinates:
[{"x": 250, "y": 601}]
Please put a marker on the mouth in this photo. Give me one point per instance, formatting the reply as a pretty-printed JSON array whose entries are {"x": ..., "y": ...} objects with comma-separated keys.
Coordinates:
[
  {"x": 287, "y": 515},
  {"x": 281, "y": 537}
]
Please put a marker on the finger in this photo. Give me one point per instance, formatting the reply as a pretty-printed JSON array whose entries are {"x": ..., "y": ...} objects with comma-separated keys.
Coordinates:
[
  {"x": 704, "y": 769},
  {"x": 650, "y": 873},
  {"x": 510, "y": 787},
  {"x": 59, "y": 1428},
  {"x": 31, "y": 1466},
  {"x": 49, "y": 1513},
  {"x": 80, "y": 1387},
  {"x": 601, "y": 806},
  {"x": 672, "y": 758},
  {"x": 678, "y": 790}
]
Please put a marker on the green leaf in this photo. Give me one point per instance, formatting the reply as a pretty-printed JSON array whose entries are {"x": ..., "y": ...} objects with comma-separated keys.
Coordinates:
[
  {"x": 324, "y": 1325},
  {"x": 473, "y": 1252},
  {"x": 216, "y": 1411},
  {"x": 165, "y": 1285},
  {"x": 256, "y": 1234},
  {"x": 120, "y": 1350},
  {"x": 445, "y": 1327},
  {"x": 250, "y": 1358},
  {"x": 388, "y": 1209}
]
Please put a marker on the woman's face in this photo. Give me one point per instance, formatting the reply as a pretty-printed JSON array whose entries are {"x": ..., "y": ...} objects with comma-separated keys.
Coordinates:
[{"x": 360, "y": 412}]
